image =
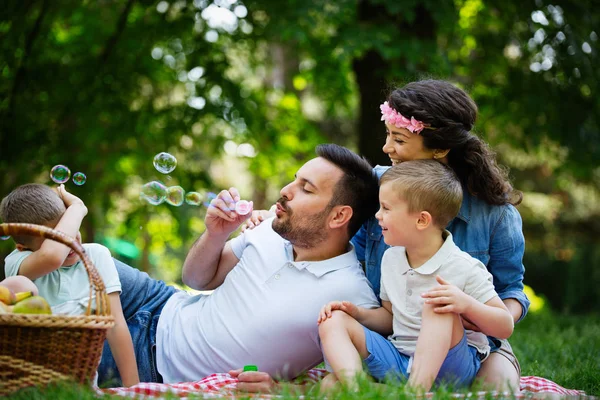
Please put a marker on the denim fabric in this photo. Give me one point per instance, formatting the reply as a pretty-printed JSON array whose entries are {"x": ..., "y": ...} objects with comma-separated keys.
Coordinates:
[
  {"x": 459, "y": 367},
  {"x": 492, "y": 234},
  {"x": 142, "y": 299}
]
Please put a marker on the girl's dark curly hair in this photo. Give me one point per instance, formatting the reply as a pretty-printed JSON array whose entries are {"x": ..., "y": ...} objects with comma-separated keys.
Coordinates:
[{"x": 452, "y": 113}]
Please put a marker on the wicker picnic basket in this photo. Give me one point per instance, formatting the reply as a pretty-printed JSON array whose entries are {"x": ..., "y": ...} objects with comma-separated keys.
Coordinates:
[{"x": 39, "y": 349}]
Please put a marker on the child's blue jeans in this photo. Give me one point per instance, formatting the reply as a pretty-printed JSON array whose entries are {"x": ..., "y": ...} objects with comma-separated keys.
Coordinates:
[{"x": 142, "y": 299}]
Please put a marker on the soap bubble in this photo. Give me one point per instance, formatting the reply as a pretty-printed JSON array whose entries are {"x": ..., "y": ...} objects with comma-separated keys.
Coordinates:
[
  {"x": 193, "y": 198},
  {"x": 153, "y": 192},
  {"x": 165, "y": 163},
  {"x": 4, "y": 237},
  {"x": 175, "y": 195},
  {"x": 79, "y": 178},
  {"x": 60, "y": 173}
]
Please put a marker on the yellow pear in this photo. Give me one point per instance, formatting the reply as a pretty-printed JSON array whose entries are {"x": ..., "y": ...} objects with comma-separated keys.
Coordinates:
[
  {"x": 7, "y": 296},
  {"x": 32, "y": 305}
]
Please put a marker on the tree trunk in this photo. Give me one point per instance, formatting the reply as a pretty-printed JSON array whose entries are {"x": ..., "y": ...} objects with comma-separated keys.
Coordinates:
[
  {"x": 373, "y": 72},
  {"x": 370, "y": 77}
]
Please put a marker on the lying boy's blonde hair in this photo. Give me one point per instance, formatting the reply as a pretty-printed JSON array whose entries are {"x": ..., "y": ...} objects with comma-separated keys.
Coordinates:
[
  {"x": 427, "y": 185},
  {"x": 32, "y": 203}
]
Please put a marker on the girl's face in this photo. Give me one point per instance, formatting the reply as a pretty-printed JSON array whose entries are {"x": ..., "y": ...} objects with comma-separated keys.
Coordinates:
[{"x": 403, "y": 145}]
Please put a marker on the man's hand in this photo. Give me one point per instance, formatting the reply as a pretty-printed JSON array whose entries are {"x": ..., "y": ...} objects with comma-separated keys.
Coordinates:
[
  {"x": 253, "y": 381},
  {"x": 345, "y": 306},
  {"x": 221, "y": 218},
  {"x": 448, "y": 298}
]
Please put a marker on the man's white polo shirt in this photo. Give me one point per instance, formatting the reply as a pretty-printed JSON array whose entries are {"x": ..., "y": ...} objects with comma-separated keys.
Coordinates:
[{"x": 265, "y": 312}]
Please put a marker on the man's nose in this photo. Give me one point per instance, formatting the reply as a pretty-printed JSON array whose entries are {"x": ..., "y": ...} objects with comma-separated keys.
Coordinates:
[{"x": 286, "y": 192}]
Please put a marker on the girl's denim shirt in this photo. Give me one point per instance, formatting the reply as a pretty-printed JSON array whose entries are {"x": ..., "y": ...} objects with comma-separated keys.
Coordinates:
[{"x": 492, "y": 234}]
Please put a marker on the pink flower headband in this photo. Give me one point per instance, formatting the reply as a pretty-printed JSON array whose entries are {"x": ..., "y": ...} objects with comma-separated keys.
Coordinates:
[{"x": 393, "y": 117}]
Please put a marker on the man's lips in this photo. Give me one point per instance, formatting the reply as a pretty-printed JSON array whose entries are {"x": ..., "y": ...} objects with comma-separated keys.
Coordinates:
[{"x": 279, "y": 209}]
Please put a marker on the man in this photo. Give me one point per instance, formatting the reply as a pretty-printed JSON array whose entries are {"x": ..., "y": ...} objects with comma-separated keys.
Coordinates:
[{"x": 270, "y": 283}]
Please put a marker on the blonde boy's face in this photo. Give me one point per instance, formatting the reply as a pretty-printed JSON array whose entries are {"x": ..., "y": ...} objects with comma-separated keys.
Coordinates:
[
  {"x": 398, "y": 226},
  {"x": 36, "y": 243}
]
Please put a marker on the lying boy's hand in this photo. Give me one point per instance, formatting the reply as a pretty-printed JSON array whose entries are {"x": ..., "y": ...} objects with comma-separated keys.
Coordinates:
[
  {"x": 448, "y": 298},
  {"x": 68, "y": 198},
  {"x": 345, "y": 306}
]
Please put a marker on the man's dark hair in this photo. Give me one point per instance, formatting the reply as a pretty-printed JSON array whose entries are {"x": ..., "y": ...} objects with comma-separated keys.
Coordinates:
[{"x": 358, "y": 187}]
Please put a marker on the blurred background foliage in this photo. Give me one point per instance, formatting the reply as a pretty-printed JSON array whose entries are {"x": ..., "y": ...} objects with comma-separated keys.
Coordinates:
[{"x": 241, "y": 92}]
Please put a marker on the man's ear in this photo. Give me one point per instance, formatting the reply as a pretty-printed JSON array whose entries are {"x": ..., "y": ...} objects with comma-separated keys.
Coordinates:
[
  {"x": 340, "y": 216},
  {"x": 424, "y": 221}
]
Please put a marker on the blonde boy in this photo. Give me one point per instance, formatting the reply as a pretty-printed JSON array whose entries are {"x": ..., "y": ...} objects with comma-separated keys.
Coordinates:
[
  {"x": 428, "y": 285},
  {"x": 57, "y": 271}
]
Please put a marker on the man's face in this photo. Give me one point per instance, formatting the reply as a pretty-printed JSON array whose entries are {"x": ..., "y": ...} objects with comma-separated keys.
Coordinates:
[{"x": 303, "y": 209}]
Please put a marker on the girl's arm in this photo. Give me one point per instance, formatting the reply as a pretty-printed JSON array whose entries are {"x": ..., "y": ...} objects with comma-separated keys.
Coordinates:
[
  {"x": 121, "y": 346},
  {"x": 507, "y": 246},
  {"x": 492, "y": 318}
]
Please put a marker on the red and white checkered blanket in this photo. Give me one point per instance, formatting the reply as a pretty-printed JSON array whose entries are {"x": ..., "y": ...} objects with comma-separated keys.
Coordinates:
[{"x": 224, "y": 386}]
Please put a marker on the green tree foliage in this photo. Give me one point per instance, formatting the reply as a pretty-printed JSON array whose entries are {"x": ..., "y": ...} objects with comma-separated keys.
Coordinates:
[{"x": 102, "y": 86}]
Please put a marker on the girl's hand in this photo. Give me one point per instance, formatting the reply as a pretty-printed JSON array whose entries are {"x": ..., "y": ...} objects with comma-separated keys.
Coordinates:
[
  {"x": 448, "y": 298},
  {"x": 345, "y": 306}
]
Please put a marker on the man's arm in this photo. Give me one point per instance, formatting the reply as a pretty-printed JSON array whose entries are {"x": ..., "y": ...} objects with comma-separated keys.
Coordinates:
[
  {"x": 211, "y": 259},
  {"x": 121, "y": 346},
  {"x": 208, "y": 262},
  {"x": 52, "y": 254}
]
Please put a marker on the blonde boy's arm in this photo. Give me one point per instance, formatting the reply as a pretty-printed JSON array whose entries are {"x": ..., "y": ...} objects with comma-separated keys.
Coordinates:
[
  {"x": 378, "y": 319},
  {"x": 51, "y": 255},
  {"x": 121, "y": 346}
]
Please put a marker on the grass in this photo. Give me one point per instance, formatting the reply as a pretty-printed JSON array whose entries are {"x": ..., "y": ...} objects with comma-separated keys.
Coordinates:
[{"x": 564, "y": 349}]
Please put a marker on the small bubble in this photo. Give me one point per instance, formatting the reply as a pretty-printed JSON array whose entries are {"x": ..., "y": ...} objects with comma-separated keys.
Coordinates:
[
  {"x": 193, "y": 198},
  {"x": 165, "y": 163},
  {"x": 153, "y": 192},
  {"x": 79, "y": 178},
  {"x": 175, "y": 195},
  {"x": 60, "y": 173},
  {"x": 4, "y": 237}
]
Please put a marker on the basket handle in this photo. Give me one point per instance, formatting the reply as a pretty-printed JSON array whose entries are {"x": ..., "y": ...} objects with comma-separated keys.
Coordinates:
[{"x": 96, "y": 283}]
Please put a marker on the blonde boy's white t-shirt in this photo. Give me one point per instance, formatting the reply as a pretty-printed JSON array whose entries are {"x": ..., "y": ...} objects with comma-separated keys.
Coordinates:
[
  {"x": 402, "y": 286},
  {"x": 67, "y": 289}
]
